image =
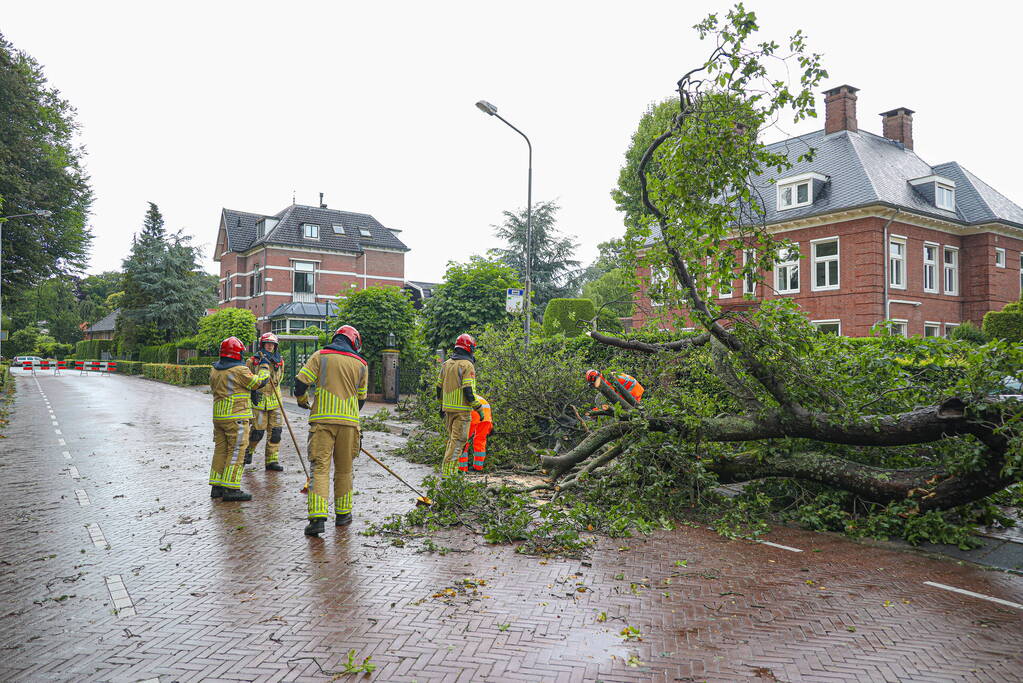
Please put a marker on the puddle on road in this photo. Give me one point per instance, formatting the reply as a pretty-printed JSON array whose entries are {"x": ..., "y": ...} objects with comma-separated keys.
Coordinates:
[{"x": 597, "y": 647}]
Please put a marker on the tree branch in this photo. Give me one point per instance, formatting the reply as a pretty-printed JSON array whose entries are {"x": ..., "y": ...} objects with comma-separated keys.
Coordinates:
[{"x": 644, "y": 347}]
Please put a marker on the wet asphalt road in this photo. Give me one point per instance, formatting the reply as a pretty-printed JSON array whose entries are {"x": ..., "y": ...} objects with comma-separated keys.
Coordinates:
[{"x": 117, "y": 566}]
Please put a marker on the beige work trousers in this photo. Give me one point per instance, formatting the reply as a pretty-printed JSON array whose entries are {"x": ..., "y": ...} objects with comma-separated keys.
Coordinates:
[
  {"x": 229, "y": 439},
  {"x": 337, "y": 444},
  {"x": 457, "y": 424}
]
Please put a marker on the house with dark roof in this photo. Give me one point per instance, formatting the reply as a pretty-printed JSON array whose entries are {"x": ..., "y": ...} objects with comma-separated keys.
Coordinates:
[
  {"x": 104, "y": 327},
  {"x": 419, "y": 292},
  {"x": 878, "y": 234},
  {"x": 287, "y": 268}
]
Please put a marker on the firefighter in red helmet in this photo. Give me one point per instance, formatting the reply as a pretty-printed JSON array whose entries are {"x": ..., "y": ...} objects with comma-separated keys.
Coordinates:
[
  {"x": 341, "y": 378},
  {"x": 265, "y": 406},
  {"x": 230, "y": 383},
  {"x": 456, "y": 392}
]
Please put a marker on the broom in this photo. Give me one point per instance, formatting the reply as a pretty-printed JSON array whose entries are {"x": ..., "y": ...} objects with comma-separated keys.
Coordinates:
[{"x": 277, "y": 392}]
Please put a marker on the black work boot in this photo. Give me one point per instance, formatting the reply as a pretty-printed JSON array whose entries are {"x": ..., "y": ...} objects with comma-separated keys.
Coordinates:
[
  {"x": 248, "y": 457},
  {"x": 343, "y": 520},
  {"x": 314, "y": 528},
  {"x": 275, "y": 467},
  {"x": 216, "y": 491},
  {"x": 235, "y": 494}
]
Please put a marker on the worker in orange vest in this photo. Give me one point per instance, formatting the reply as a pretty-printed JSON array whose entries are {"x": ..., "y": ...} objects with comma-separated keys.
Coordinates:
[
  {"x": 620, "y": 382},
  {"x": 481, "y": 423}
]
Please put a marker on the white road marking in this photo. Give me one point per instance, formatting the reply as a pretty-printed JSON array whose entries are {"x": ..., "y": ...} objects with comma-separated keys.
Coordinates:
[
  {"x": 96, "y": 534},
  {"x": 58, "y": 431},
  {"x": 123, "y": 605},
  {"x": 779, "y": 545},
  {"x": 73, "y": 471},
  {"x": 66, "y": 454},
  {"x": 83, "y": 497},
  {"x": 62, "y": 442},
  {"x": 963, "y": 591},
  {"x": 55, "y": 423}
]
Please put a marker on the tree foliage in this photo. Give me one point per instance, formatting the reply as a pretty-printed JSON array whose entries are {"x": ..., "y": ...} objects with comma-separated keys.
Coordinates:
[
  {"x": 570, "y": 317},
  {"x": 472, "y": 295},
  {"x": 227, "y": 322},
  {"x": 40, "y": 169},
  {"x": 375, "y": 312}
]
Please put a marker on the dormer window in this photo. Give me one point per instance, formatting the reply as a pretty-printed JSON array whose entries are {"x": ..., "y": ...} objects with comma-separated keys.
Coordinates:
[
  {"x": 945, "y": 198},
  {"x": 265, "y": 225},
  {"x": 938, "y": 190},
  {"x": 311, "y": 231},
  {"x": 365, "y": 232},
  {"x": 339, "y": 229},
  {"x": 799, "y": 190}
]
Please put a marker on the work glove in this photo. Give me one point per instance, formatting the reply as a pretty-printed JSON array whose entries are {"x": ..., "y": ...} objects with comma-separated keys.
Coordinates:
[
  {"x": 303, "y": 401},
  {"x": 254, "y": 396}
]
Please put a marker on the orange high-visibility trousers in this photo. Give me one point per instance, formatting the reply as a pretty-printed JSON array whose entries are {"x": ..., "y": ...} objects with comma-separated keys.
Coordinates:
[{"x": 477, "y": 442}]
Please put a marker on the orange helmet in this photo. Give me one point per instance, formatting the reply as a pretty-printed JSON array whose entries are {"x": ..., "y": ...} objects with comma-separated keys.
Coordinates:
[
  {"x": 269, "y": 338},
  {"x": 591, "y": 376},
  {"x": 231, "y": 347},
  {"x": 351, "y": 334},
  {"x": 466, "y": 342}
]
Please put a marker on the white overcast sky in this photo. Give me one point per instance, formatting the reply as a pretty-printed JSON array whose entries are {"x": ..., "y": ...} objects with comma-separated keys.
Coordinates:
[{"x": 202, "y": 105}]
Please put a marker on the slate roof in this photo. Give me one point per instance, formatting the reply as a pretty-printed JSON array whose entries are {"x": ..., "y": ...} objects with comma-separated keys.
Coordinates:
[
  {"x": 106, "y": 323},
  {"x": 304, "y": 309},
  {"x": 865, "y": 169},
  {"x": 241, "y": 230},
  {"x": 425, "y": 287}
]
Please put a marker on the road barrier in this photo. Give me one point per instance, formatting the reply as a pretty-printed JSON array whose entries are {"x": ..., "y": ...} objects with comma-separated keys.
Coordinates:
[
  {"x": 103, "y": 366},
  {"x": 55, "y": 365},
  {"x": 83, "y": 366}
]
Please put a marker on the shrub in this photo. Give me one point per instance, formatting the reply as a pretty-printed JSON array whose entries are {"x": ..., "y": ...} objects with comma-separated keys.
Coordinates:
[
  {"x": 162, "y": 353},
  {"x": 202, "y": 360},
  {"x": 375, "y": 311},
  {"x": 1006, "y": 324},
  {"x": 94, "y": 348},
  {"x": 227, "y": 322},
  {"x": 569, "y": 317},
  {"x": 182, "y": 375},
  {"x": 129, "y": 367}
]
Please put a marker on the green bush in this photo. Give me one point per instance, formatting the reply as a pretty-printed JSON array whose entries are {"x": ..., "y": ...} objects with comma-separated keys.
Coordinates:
[
  {"x": 1006, "y": 324},
  {"x": 569, "y": 317},
  {"x": 227, "y": 322},
  {"x": 182, "y": 375},
  {"x": 162, "y": 353},
  {"x": 376, "y": 311},
  {"x": 129, "y": 367},
  {"x": 94, "y": 348},
  {"x": 202, "y": 360}
]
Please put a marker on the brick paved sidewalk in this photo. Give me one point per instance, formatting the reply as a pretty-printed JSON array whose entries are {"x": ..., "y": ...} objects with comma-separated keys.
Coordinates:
[{"x": 116, "y": 566}]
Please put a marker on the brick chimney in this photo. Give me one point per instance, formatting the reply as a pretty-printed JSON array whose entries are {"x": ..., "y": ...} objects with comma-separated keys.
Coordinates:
[
  {"x": 898, "y": 126},
  {"x": 840, "y": 109}
]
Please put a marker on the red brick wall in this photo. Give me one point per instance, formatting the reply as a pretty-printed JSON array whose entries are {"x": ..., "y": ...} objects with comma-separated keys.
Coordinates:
[{"x": 859, "y": 301}]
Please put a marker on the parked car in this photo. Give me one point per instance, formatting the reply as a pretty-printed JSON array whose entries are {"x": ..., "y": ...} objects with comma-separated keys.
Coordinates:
[{"x": 25, "y": 361}]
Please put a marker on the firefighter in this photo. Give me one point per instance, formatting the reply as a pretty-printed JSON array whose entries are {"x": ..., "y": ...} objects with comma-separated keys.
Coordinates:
[
  {"x": 481, "y": 423},
  {"x": 230, "y": 383},
  {"x": 620, "y": 383},
  {"x": 341, "y": 377},
  {"x": 266, "y": 408},
  {"x": 456, "y": 391}
]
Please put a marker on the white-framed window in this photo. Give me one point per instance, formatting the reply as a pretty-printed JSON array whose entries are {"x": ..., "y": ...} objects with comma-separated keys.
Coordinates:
[
  {"x": 932, "y": 329},
  {"x": 828, "y": 326},
  {"x": 725, "y": 291},
  {"x": 256, "y": 281},
  {"x": 305, "y": 277},
  {"x": 945, "y": 197},
  {"x": 365, "y": 232},
  {"x": 311, "y": 231},
  {"x": 786, "y": 271},
  {"x": 949, "y": 327},
  {"x": 951, "y": 269},
  {"x": 749, "y": 283},
  {"x": 792, "y": 195},
  {"x": 825, "y": 263},
  {"x": 930, "y": 267},
  {"x": 999, "y": 257},
  {"x": 900, "y": 328},
  {"x": 338, "y": 229},
  {"x": 897, "y": 262}
]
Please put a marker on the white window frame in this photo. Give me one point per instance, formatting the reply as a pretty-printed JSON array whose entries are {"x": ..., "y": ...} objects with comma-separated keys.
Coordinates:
[
  {"x": 938, "y": 194},
  {"x": 365, "y": 232},
  {"x": 933, "y": 265},
  {"x": 787, "y": 260},
  {"x": 749, "y": 283},
  {"x": 793, "y": 184},
  {"x": 999, "y": 257},
  {"x": 815, "y": 260},
  {"x": 936, "y": 326},
  {"x": 897, "y": 264},
  {"x": 949, "y": 327},
  {"x": 306, "y": 230},
  {"x": 954, "y": 269},
  {"x": 311, "y": 272},
  {"x": 904, "y": 323},
  {"x": 835, "y": 321}
]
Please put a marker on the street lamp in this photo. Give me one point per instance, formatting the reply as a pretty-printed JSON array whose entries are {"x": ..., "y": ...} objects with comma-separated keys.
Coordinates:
[
  {"x": 491, "y": 110},
  {"x": 42, "y": 213}
]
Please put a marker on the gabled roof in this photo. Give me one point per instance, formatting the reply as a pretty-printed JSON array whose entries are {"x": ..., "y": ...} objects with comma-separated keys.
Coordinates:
[
  {"x": 425, "y": 287},
  {"x": 242, "y": 235},
  {"x": 106, "y": 323}
]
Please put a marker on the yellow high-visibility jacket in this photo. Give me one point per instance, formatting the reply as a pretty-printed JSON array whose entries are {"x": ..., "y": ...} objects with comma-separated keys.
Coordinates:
[{"x": 230, "y": 382}]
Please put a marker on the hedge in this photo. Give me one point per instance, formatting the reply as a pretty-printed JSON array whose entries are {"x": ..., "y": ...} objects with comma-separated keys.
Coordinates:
[
  {"x": 94, "y": 348},
  {"x": 163, "y": 353},
  {"x": 1006, "y": 324},
  {"x": 182, "y": 375},
  {"x": 202, "y": 360},
  {"x": 129, "y": 367},
  {"x": 569, "y": 317}
]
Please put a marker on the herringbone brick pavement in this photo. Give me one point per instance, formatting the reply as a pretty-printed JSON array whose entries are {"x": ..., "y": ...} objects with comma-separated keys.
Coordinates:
[{"x": 235, "y": 592}]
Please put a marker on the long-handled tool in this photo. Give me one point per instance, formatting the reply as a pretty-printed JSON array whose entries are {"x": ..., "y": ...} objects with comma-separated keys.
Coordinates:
[
  {"x": 421, "y": 500},
  {"x": 277, "y": 392}
]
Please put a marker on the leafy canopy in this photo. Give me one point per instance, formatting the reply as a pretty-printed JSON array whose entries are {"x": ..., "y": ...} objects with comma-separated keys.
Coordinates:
[
  {"x": 472, "y": 295},
  {"x": 374, "y": 312},
  {"x": 227, "y": 322}
]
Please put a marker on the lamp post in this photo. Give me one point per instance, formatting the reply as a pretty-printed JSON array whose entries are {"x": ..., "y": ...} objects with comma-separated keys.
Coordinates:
[
  {"x": 491, "y": 110},
  {"x": 42, "y": 213}
]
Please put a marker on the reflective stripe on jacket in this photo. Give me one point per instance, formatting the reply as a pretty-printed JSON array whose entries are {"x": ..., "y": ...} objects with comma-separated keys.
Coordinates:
[
  {"x": 630, "y": 383},
  {"x": 230, "y": 389},
  {"x": 267, "y": 395},
  {"x": 342, "y": 380},
  {"x": 455, "y": 375}
]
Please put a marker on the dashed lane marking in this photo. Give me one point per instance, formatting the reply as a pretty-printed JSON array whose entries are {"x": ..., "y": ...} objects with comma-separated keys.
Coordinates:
[
  {"x": 779, "y": 545},
  {"x": 96, "y": 534},
  {"x": 963, "y": 591},
  {"x": 58, "y": 432},
  {"x": 62, "y": 442},
  {"x": 66, "y": 454},
  {"x": 55, "y": 423},
  {"x": 73, "y": 471},
  {"x": 123, "y": 606},
  {"x": 83, "y": 497}
]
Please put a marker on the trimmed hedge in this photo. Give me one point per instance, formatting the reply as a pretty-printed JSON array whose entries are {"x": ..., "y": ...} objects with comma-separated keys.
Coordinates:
[
  {"x": 129, "y": 367},
  {"x": 202, "y": 360},
  {"x": 93, "y": 348},
  {"x": 182, "y": 375},
  {"x": 569, "y": 317},
  {"x": 1006, "y": 324},
  {"x": 162, "y": 353}
]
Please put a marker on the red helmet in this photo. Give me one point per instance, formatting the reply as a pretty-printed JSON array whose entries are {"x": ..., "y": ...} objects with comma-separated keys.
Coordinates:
[
  {"x": 269, "y": 338},
  {"x": 466, "y": 342},
  {"x": 351, "y": 334},
  {"x": 231, "y": 347},
  {"x": 592, "y": 376}
]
